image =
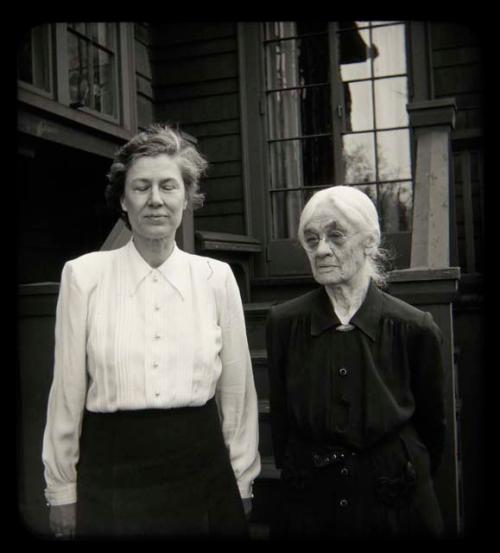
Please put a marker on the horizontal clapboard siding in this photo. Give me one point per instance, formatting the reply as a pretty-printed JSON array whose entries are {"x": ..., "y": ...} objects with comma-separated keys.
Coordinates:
[
  {"x": 143, "y": 75},
  {"x": 457, "y": 71},
  {"x": 196, "y": 85}
]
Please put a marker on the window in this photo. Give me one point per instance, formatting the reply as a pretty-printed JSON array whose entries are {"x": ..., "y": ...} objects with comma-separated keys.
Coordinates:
[
  {"x": 34, "y": 58},
  {"x": 376, "y": 137},
  {"x": 84, "y": 66},
  {"x": 92, "y": 67},
  {"x": 335, "y": 113}
]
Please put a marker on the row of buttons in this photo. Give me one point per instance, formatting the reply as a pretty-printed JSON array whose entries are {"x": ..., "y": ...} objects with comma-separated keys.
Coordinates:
[{"x": 157, "y": 336}]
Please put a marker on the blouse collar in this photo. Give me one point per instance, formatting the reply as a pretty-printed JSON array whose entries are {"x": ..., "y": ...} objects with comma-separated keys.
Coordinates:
[
  {"x": 366, "y": 317},
  {"x": 175, "y": 269}
]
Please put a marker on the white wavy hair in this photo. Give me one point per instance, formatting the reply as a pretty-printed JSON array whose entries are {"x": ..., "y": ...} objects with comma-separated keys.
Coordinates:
[{"x": 359, "y": 209}]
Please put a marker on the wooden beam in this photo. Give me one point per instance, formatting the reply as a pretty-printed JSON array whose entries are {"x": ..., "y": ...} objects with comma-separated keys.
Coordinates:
[{"x": 432, "y": 122}]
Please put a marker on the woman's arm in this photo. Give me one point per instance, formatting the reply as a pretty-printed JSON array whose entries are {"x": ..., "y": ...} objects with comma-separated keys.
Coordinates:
[
  {"x": 235, "y": 393},
  {"x": 428, "y": 387},
  {"x": 276, "y": 363},
  {"x": 67, "y": 394}
]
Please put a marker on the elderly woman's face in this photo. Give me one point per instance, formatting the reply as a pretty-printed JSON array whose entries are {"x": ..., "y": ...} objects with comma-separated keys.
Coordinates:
[
  {"x": 335, "y": 246},
  {"x": 154, "y": 197}
]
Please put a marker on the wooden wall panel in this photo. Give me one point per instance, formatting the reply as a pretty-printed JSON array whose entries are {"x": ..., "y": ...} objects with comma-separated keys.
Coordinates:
[
  {"x": 457, "y": 71},
  {"x": 143, "y": 74},
  {"x": 196, "y": 84}
]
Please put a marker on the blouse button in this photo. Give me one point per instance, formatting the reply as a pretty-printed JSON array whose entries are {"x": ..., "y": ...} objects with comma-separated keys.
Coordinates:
[
  {"x": 344, "y": 471},
  {"x": 155, "y": 278},
  {"x": 157, "y": 336},
  {"x": 343, "y": 503},
  {"x": 157, "y": 394},
  {"x": 155, "y": 364},
  {"x": 343, "y": 371},
  {"x": 157, "y": 307}
]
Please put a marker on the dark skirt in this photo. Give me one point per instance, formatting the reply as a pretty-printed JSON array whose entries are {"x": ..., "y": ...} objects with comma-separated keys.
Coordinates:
[
  {"x": 384, "y": 492},
  {"x": 157, "y": 473}
]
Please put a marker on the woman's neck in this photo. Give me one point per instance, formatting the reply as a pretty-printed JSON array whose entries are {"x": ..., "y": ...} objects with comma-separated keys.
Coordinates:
[
  {"x": 347, "y": 297},
  {"x": 154, "y": 251}
]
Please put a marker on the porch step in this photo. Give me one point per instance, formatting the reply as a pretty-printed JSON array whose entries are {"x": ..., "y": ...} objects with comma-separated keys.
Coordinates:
[{"x": 255, "y": 319}]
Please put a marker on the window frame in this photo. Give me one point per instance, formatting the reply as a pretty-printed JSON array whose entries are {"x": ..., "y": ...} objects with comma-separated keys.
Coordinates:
[
  {"x": 57, "y": 103},
  {"x": 254, "y": 138}
]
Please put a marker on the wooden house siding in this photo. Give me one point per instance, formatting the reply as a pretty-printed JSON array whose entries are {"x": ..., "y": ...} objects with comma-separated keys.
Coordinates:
[
  {"x": 196, "y": 84},
  {"x": 456, "y": 60},
  {"x": 143, "y": 75}
]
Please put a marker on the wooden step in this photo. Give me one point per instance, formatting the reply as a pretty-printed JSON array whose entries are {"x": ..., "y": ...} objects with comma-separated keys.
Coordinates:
[
  {"x": 259, "y": 357},
  {"x": 268, "y": 469}
]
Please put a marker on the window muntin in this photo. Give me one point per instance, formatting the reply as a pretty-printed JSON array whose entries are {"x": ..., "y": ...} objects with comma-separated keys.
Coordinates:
[
  {"x": 92, "y": 66},
  {"x": 299, "y": 119},
  {"x": 375, "y": 135},
  {"x": 34, "y": 58},
  {"x": 376, "y": 88}
]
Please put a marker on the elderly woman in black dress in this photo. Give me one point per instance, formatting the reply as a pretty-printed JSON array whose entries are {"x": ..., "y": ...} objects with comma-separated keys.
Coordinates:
[
  {"x": 356, "y": 388},
  {"x": 152, "y": 417}
]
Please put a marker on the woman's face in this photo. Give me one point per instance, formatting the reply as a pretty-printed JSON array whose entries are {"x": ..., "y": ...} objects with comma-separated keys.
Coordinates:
[
  {"x": 335, "y": 246},
  {"x": 154, "y": 197}
]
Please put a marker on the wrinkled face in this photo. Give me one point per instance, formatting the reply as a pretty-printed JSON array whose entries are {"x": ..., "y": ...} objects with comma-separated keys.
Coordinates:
[
  {"x": 335, "y": 246},
  {"x": 154, "y": 197}
]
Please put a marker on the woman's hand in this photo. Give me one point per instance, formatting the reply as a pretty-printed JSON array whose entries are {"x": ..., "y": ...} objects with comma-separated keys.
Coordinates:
[{"x": 62, "y": 520}]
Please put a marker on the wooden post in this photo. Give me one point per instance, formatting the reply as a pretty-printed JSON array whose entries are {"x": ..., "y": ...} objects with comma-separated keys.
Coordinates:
[
  {"x": 432, "y": 122},
  {"x": 430, "y": 282}
]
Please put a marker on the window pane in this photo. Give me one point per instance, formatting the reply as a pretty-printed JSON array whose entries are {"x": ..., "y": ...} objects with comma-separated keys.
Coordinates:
[
  {"x": 34, "y": 58},
  {"x": 354, "y": 54},
  {"x": 78, "y": 66},
  {"x": 92, "y": 69},
  {"x": 285, "y": 213},
  {"x": 286, "y": 164},
  {"x": 370, "y": 190},
  {"x": 318, "y": 161},
  {"x": 80, "y": 27},
  {"x": 279, "y": 29},
  {"x": 390, "y": 43},
  {"x": 103, "y": 34},
  {"x": 358, "y": 106},
  {"x": 297, "y": 112},
  {"x": 396, "y": 203},
  {"x": 391, "y": 98},
  {"x": 297, "y": 62},
  {"x": 393, "y": 152},
  {"x": 358, "y": 151},
  {"x": 104, "y": 86},
  {"x": 297, "y": 163}
]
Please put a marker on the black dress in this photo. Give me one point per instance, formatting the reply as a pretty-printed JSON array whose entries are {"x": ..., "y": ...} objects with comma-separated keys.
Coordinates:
[
  {"x": 357, "y": 417},
  {"x": 157, "y": 473}
]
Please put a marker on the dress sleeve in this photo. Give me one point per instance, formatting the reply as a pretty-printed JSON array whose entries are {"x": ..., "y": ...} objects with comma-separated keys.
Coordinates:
[
  {"x": 67, "y": 394},
  {"x": 276, "y": 362},
  {"x": 235, "y": 392},
  {"x": 428, "y": 388}
]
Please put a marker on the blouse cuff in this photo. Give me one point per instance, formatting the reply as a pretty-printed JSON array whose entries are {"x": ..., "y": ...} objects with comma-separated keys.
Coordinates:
[
  {"x": 245, "y": 489},
  {"x": 62, "y": 496}
]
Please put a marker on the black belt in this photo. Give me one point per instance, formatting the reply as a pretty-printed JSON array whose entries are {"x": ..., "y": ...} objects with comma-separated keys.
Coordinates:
[{"x": 331, "y": 455}]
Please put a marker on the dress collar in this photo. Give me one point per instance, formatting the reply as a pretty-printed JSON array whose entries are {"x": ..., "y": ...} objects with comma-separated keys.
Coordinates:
[
  {"x": 175, "y": 269},
  {"x": 366, "y": 317}
]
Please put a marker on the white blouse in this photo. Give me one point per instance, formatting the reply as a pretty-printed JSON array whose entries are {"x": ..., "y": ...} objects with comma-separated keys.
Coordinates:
[{"x": 129, "y": 336}]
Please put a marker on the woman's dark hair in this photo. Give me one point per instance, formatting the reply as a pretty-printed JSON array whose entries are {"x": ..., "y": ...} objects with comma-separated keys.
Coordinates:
[{"x": 156, "y": 140}]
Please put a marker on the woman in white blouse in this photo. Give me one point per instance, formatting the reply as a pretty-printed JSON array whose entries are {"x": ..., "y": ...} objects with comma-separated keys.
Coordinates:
[{"x": 152, "y": 416}]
